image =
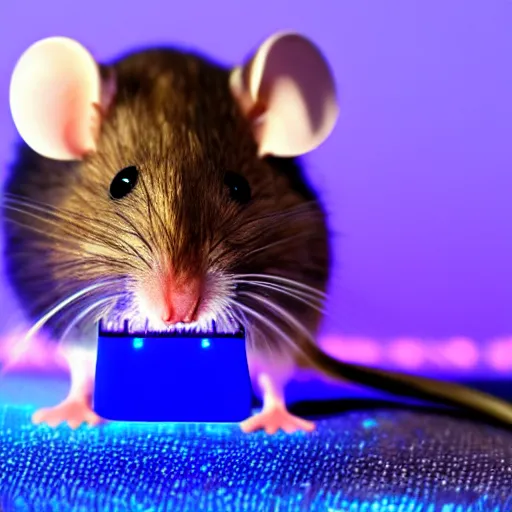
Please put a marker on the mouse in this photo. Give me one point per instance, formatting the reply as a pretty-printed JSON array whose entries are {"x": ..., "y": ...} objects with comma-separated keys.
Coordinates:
[{"x": 171, "y": 187}]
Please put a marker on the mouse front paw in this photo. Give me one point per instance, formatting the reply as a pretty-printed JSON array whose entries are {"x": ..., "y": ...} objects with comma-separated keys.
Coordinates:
[
  {"x": 72, "y": 412},
  {"x": 274, "y": 419}
]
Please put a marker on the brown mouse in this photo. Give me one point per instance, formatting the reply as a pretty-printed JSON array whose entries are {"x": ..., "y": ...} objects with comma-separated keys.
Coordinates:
[{"x": 169, "y": 186}]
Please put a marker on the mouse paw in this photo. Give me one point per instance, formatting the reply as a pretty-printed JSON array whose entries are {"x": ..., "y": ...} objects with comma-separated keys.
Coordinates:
[
  {"x": 274, "y": 419},
  {"x": 72, "y": 412}
]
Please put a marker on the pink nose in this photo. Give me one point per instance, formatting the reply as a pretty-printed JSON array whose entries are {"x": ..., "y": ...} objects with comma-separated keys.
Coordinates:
[{"x": 181, "y": 301}]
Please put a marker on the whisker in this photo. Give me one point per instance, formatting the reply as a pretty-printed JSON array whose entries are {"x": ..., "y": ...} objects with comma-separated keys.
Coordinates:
[
  {"x": 241, "y": 319},
  {"x": 84, "y": 313},
  {"x": 286, "y": 280},
  {"x": 296, "y": 295},
  {"x": 62, "y": 304},
  {"x": 282, "y": 288},
  {"x": 222, "y": 321},
  {"x": 250, "y": 311},
  {"x": 284, "y": 314},
  {"x": 23, "y": 344},
  {"x": 58, "y": 277}
]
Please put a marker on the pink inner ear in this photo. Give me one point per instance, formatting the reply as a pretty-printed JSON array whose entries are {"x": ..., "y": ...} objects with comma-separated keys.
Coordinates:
[
  {"x": 53, "y": 91},
  {"x": 291, "y": 77}
]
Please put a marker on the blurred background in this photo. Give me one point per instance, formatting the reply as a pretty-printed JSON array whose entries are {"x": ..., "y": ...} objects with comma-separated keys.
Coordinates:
[{"x": 417, "y": 177}]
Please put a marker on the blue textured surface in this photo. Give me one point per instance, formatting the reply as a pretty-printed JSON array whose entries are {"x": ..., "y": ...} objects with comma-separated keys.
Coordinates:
[
  {"x": 172, "y": 377},
  {"x": 361, "y": 462}
]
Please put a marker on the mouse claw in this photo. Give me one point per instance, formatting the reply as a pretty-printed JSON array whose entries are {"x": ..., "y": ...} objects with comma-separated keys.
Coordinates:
[
  {"x": 274, "y": 419},
  {"x": 73, "y": 412}
]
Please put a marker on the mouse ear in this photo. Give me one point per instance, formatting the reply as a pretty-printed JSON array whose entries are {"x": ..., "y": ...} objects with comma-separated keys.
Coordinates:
[
  {"x": 55, "y": 93},
  {"x": 287, "y": 90}
]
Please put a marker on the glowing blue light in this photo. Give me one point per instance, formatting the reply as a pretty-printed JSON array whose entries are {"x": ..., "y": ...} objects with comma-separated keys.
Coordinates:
[
  {"x": 138, "y": 343},
  {"x": 205, "y": 343},
  {"x": 369, "y": 423}
]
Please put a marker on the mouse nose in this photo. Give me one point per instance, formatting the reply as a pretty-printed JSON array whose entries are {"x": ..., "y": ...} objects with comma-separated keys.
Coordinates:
[{"x": 181, "y": 302}]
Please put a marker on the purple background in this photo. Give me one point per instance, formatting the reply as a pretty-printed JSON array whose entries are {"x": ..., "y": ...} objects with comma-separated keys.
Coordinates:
[{"x": 418, "y": 174}]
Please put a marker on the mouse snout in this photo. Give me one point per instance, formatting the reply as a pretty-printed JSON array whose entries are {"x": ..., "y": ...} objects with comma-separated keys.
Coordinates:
[
  {"x": 181, "y": 300},
  {"x": 165, "y": 296}
]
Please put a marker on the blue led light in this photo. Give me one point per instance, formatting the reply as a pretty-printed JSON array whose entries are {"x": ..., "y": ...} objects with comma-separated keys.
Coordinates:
[
  {"x": 138, "y": 343},
  {"x": 369, "y": 423},
  {"x": 205, "y": 343}
]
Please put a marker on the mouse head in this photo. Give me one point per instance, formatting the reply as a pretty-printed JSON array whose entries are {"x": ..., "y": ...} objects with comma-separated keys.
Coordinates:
[{"x": 198, "y": 170}]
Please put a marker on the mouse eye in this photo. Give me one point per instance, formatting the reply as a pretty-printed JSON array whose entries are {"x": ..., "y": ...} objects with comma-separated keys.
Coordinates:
[
  {"x": 239, "y": 188},
  {"x": 124, "y": 182}
]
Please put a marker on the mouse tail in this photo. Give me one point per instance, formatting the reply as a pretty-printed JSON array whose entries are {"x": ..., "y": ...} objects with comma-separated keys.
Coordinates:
[{"x": 412, "y": 386}]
